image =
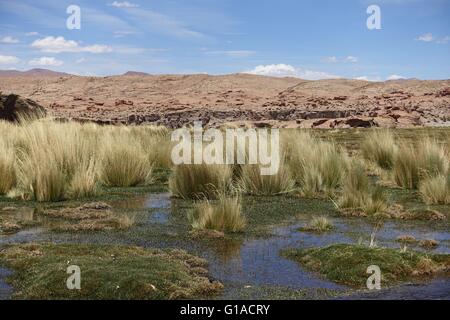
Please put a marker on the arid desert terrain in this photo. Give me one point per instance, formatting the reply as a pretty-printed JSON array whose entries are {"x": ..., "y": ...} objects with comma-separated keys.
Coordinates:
[{"x": 175, "y": 100}]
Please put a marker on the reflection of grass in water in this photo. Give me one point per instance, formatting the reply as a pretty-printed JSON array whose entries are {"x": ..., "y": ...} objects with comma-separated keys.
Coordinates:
[{"x": 107, "y": 272}]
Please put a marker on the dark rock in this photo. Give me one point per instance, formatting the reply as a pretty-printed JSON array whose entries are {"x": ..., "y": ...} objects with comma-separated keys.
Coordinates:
[{"x": 12, "y": 106}]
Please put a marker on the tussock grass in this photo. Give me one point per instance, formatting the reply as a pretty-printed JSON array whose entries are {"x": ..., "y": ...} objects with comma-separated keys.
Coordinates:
[
  {"x": 155, "y": 141},
  {"x": 435, "y": 190},
  {"x": 316, "y": 166},
  {"x": 380, "y": 148},
  {"x": 7, "y": 168},
  {"x": 224, "y": 214},
  {"x": 191, "y": 181},
  {"x": 124, "y": 163},
  {"x": 252, "y": 182},
  {"x": 415, "y": 163},
  {"x": 84, "y": 183},
  {"x": 406, "y": 168},
  {"x": 54, "y": 161},
  {"x": 358, "y": 196},
  {"x": 318, "y": 224}
]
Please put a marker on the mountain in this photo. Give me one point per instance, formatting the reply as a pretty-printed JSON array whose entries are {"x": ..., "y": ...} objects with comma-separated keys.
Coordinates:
[
  {"x": 33, "y": 73},
  {"x": 135, "y": 73}
]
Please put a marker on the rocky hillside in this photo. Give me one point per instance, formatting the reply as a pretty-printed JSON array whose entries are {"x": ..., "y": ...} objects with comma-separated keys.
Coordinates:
[{"x": 174, "y": 100}]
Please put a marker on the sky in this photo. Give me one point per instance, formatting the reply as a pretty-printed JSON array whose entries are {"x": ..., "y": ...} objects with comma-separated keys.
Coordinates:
[{"x": 310, "y": 39}]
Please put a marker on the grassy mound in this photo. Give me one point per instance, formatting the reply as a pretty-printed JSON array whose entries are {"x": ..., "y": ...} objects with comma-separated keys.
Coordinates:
[
  {"x": 347, "y": 264},
  {"x": 107, "y": 272}
]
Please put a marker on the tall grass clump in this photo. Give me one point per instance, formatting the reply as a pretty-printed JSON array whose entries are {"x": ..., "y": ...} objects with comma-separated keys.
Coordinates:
[
  {"x": 434, "y": 159},
  {"x": 193, "y": 181},
  {"x": 7, "y": 168},
  {"x": 380, "y": 148},
  {"x": 406, "y": 168},
  {"x": 252, "y": 182},
  {"x": 84, "y": 183},
  {"x": 124, "y": 163},
  {"x": 316, "y": 166},
  {"x": 415, "y": 163},
  {"x": 49, "y": 154},
  {"x": 358, "y": 196},
  {"x": 156, "y": 142},
  {"x": 224, "y": 214},
  {"x": 435, "y": 190}
]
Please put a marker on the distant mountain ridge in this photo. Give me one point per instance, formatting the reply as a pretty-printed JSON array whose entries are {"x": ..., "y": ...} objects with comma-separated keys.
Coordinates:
[{"x": 33, "y": 73}]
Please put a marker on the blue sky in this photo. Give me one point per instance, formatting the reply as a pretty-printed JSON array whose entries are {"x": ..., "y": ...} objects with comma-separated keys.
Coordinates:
[{"x": 308, "y": 39}]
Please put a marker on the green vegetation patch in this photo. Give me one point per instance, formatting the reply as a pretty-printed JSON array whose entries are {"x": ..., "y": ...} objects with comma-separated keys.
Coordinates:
[
  {"x": 107, "y": 272},
  {"x": 347, "y": 264}
]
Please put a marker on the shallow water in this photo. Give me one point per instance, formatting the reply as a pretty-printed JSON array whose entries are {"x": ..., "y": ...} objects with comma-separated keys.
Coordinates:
[{"x": 252, "y": 262}]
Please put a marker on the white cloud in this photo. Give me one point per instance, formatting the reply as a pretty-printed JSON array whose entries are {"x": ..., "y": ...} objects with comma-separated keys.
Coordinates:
[
  {"x": 366, "y": 78},
  {"x": 395, "y": 77},
  {"x": 124, "y": 4},
  {"x": 351, "y": 59},
  {"x": 8, "y": 59},
  {"x": 46, "y": 61},
  {"x": 32, "y": 33},
  {"x": 331, "y": 59},
  {"x": 158, "y": 22},
  {"x": 59, "y": 44},
  {"x": 9, "y": 40},
  {"x": 81, "y": 60},
  {"x": 274, "y": 70},
  {"x": 334, "y": 59},
  {"x": 286, "y": 70},
  {"x": 443, "y": 40},
  {"x": 427, "y": 37},
  {"x": 232, "y": 53}
]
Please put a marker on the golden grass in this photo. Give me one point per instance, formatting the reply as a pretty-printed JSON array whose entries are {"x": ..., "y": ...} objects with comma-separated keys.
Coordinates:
[
  {"x": 358, "y": 197},
  {"x": 46, "y": 160},
  {"x": 380, "y": 148},
  {"x": 225, "y": 215},
  {"x": 318, "y": 224},
  {"x": 435, "y": 190},
  {"x": 7, "y": 169},
  {"x": 252, "y": 182},
  {"x": 415, "y": 163},
  {"x": 191, "y": 181},
  {"x": 316, "y": 166},
  {"x": 124, "y": 162}
]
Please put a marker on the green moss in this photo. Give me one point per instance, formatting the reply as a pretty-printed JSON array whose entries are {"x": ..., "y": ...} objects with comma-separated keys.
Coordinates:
[
  {"x": 347, "y": 264},
  {"x": 107, "y": 272}
]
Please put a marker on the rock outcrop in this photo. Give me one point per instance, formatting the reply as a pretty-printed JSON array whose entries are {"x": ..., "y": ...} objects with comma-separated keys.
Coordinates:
[{"x": 12, "y": 107}]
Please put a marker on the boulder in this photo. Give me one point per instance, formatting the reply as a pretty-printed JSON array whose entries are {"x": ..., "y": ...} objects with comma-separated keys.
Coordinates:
[{"x": 12, "y": 106}]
